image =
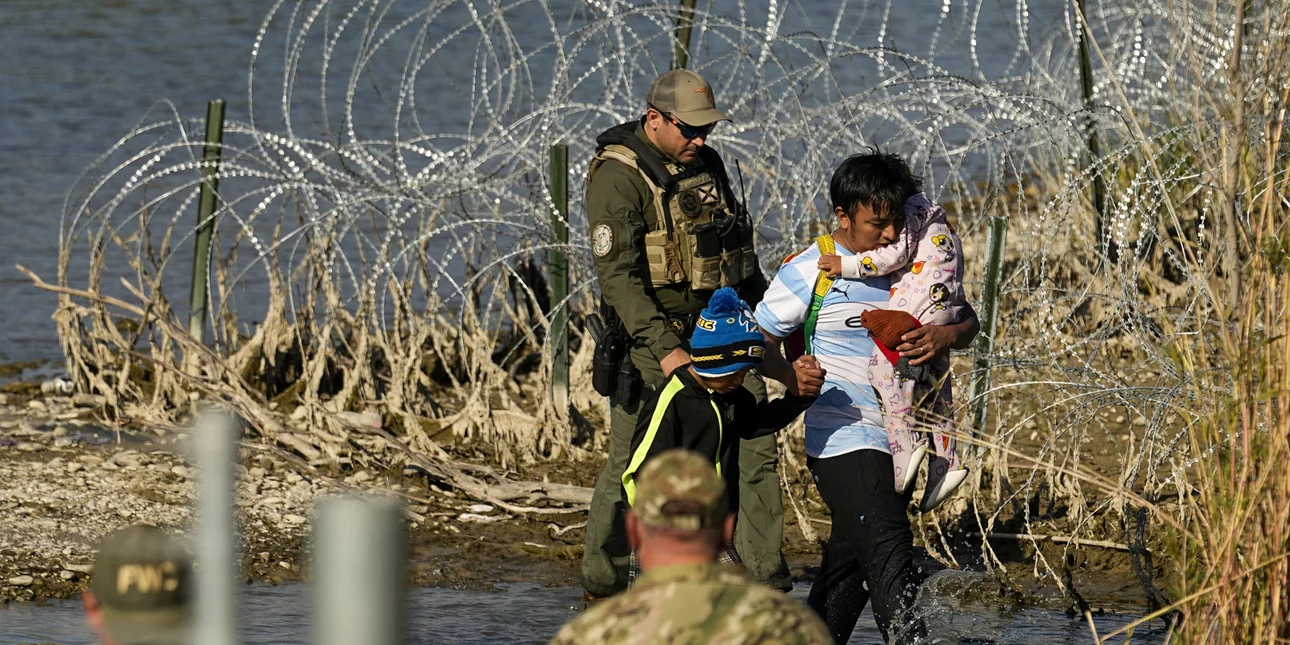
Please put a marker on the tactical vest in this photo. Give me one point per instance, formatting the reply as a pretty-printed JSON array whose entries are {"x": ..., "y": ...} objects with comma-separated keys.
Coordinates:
[{"x": 702, "y": 235}]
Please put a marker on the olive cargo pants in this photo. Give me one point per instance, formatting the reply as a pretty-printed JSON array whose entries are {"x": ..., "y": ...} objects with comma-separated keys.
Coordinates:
[{"x": 759, "y": 532}]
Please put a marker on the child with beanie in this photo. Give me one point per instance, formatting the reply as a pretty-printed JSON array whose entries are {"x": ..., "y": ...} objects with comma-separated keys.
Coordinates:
[
  {"x": 926, "y": 266},
  {"x": 704, "y": 406}
]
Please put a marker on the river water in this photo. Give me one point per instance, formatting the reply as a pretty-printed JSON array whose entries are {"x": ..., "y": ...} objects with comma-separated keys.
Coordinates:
[{"x": 525, "y": 613}]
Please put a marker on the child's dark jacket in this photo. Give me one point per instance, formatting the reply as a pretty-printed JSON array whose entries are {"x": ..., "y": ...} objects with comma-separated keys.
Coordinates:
[{"x": 685, "y": 414}]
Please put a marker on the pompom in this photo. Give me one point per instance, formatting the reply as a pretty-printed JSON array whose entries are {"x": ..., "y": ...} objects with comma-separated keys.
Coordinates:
[{"x": 724, "y": 302}]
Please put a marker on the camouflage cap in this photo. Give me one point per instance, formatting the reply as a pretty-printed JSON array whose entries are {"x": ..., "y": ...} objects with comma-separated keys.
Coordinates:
[
  {"x": 686, "y": 96},
  {"x": 142, "y": 580},
  {"x": 680, "y": 489}
]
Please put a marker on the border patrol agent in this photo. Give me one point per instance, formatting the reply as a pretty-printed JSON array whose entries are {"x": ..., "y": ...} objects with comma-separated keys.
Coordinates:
[
  {"x": 684, "y": 597},
  {"x": 666, "y": 231}
]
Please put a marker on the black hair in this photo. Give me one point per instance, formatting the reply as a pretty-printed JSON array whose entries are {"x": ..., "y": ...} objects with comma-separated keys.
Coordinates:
[{"x": 879, "y": 180}]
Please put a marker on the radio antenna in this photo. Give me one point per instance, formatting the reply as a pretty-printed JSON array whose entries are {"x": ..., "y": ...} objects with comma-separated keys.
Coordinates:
[{"x": 742, "y": 195}]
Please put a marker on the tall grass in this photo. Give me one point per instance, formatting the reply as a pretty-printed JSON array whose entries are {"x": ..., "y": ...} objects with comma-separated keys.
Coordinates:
[
  {"x": 1216, "y": 165},
  {"x": 1236, "y": 551}
]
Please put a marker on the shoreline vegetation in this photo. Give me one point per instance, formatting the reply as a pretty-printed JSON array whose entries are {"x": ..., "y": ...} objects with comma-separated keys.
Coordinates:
[
  {"x": 74, "y": 481},
  {"x": 1139, "y": 386}
]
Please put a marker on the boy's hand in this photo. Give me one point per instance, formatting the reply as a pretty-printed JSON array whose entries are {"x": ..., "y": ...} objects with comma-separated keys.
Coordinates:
[
  {"x": 831, "y": 264},
  {"x": 808, "y": 377}
]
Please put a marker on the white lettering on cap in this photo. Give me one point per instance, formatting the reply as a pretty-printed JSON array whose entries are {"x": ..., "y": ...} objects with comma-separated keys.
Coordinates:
[{"x": 147, "y": 578}]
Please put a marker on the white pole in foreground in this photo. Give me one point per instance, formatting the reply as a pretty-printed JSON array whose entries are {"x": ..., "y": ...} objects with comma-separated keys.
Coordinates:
[
  {"x": 358, "y": 571},
  {"x": 214, "y": 441}
]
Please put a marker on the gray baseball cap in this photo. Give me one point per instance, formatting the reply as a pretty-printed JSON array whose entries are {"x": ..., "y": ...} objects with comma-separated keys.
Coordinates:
[
  {"x": 143, "y": 581},
  {"x": 685, "y": 95}
]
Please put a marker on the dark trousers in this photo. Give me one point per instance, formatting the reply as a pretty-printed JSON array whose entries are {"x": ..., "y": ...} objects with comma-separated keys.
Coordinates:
[{"x": 869, "y": 555}]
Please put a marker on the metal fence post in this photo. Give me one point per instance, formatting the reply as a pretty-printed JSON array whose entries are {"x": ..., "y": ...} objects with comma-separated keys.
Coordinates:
[
  {"x": 214, "y": 442},
  {"x": 1094, "y": 143},
  {"x": 559, "y": 261},
  {"x": 681, "y": 40},
  {"x": 359, "y": 549},
  {"x": 206, "y": 219},
  {"x": 991, "y": 286}
]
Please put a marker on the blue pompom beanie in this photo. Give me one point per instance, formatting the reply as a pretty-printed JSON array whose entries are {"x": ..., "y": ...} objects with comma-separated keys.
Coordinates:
[{"x": 726, "y": 338}]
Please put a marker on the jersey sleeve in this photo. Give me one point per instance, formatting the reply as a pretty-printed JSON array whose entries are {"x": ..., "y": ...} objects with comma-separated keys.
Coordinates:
[{"x": 788, "y": 298}]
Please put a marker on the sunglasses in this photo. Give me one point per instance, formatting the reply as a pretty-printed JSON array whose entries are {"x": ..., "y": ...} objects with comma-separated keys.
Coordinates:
[{"x": 688, "y": 131}]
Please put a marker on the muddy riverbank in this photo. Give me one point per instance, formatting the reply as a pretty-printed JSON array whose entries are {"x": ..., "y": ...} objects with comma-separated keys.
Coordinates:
[{"x": 67, "y": 482}]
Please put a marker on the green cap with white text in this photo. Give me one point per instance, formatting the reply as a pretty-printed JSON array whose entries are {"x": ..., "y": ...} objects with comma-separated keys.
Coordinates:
[{"x": 143, "y": 581}]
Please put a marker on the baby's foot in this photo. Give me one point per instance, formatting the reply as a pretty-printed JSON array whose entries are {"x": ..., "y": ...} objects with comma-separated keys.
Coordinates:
[
  {"x": 908, "y": 450},
  {"x": 945, "y": 473}
]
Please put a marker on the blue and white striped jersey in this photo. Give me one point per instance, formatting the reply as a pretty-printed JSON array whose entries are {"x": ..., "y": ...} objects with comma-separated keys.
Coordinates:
[{"x": 846, "y": 417}]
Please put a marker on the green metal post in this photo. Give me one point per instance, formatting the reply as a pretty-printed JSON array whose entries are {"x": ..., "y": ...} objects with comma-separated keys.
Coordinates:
[
  {"x": 681, "y": 46},
  {"x": 206, "y": 219},
  {"x": 1094, "y": 143},
  {"x": 559, "y": 262},
  {"x": 991, "y": 285}
]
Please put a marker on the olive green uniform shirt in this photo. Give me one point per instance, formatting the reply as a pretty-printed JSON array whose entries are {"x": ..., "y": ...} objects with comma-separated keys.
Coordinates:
[
  {"x": 693, "y": 604},
  {"x": 620, "y": 198}
]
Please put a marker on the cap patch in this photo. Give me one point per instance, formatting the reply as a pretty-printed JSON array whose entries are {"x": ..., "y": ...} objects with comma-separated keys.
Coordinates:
[{"x": 705, "y": 324}]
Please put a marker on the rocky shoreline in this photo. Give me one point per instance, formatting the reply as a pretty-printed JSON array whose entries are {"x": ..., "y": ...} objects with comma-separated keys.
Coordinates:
[{"x": 66, "y": 482}]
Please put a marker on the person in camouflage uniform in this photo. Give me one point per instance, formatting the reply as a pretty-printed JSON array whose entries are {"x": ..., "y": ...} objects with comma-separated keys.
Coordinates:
[
  {"x": 678, "y": 525},
  {"x": 666, "y": 231}
]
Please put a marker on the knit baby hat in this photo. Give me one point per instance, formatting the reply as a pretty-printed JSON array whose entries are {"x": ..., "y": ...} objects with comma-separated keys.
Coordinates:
[
  {"x": 726, "y": 338},
  {"x": 886, "y": 326}
]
